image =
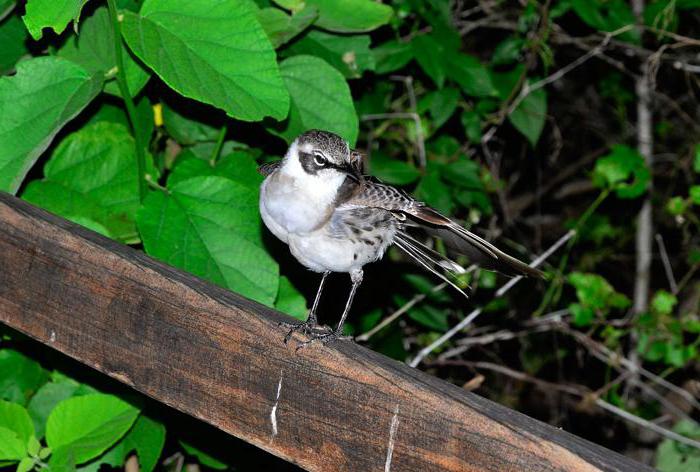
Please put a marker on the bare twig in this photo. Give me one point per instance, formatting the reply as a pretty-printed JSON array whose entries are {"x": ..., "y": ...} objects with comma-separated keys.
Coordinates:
[
  {"x": 501, "y": 291},
  {"x": 647, "y": 424},
  {"x": 667, "y": 264}
]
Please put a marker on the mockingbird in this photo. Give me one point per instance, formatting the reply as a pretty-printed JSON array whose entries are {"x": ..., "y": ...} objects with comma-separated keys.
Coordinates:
[{"x": 334, "y": 219}]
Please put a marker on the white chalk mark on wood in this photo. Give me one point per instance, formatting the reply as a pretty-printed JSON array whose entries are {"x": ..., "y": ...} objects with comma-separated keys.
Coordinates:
[
  {"x": 273, "y": 412},
  {"x": 52, "y": 337},
  {"x": 392, "y": 436}
]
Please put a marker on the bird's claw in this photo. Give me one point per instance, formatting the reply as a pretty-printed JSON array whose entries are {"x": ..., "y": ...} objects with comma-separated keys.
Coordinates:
[
  {"x": 324, "y": 338},
  {"x": 307, "y": 327}
]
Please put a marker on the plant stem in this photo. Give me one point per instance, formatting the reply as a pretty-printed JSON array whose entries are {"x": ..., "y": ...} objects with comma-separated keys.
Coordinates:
[
  {"x": 128, "y": 100},
  {"x": 219, "y": 145}
]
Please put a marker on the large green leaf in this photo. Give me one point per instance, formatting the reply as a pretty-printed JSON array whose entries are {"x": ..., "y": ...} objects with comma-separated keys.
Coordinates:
[
  {"x": 45, "y": 94},
  {"x": 239, "y": 166},
  {"x": 210, "y": 226},
  {"x": 15, "y": 418},
  {"x": 430, "y": 55},
  {"x": 281, "y": 28},
  {"x": 54, "y": 14},
  {"x": 94, "y": 50},
  {"x": 391, "y": 56},
  {"x": 350, "y": 16},
  {"x": 20, "y": 376},
  {"x": 146, "y": 438},
  {"x": 88, "y": 425},
  {"x": 320, "y": 99},
  {"x": 13, "y": 39},
  {"x": 232, "y": 66},
  {"x": 46, "y": 398},
  {"x": 92, "y": 174},
  {"x": 471, "y": 75},
  {"x": 12, "y": 448},
  {"x": 349, "y": 54}
]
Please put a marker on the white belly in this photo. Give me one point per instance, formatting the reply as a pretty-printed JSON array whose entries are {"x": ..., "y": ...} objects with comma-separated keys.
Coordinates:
[{"x": 320, "y": 252}]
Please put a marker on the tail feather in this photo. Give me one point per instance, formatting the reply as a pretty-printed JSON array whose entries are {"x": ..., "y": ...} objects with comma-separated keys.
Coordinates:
[
  {"x": 477, "y": 249},
  {"x": 430, "y": 259}
]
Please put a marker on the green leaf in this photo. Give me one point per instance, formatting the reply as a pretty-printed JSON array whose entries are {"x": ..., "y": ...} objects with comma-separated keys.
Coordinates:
[
  {"x": 12, "y": 448},
  {"x": 350, "y": 16},
  {"x": 232, "y": 67},
  {"x": 63, "y": 459},
  {"x": 594, "y": 292},
  {"x": 663, "y": 302},
  {"x": 442, "y": 104},
  {"x": 45, "y": 94},
  {"x": 147, "y": 437},
  {"x": 472, "y": 125},
  {"x": 54, "y": 14},
  {"x": 92, "y": 174},
  {"x": 93, "y": 49},
  {"x": 434, "y": 192},
  {"x": 20, "y": 376},
  {"x": 281, "y": 28},
  {"x": 6, "y": 7},
  {"x": 393, "y": 171},
  {"x": 16, "y": 430},
  {"x": 508, "y": 51},
  {"x": 582, "y": 316},
  {"x": 622, "y": 170},
  {"x": 391, "y": 56},
  {"x": 696, "y": 159},
  {"x": 290, "y": 300},
  {"x": 694, "y": 193},
  {"x": 320, "y": 98},
  {"x": 430, "y": 55},
  {"x": 210, "y": 226},
  {"x": 470, "y": 74},
  {"x": 672, "y": 456},
  {"x": 26, "y": 464},
  {"x": 349, "y": 54},
  {"x": 88, "y": 425},
  {"x": 203, "y": 458},
  {"x": 187, "y": 131},
  {"x": 530, "y": 115},
  {"x": 676, "y": 205},
  {"x": 46, "y": 398},
  {"x": 607, "y": 15},
  {"x": 239, "y": 166},
  {"x": 13, "y": 38},
  {"x": 428, "y": 315}
]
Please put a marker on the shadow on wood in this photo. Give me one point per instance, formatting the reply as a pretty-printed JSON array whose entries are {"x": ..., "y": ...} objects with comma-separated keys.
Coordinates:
[{"x": 219, "y": 357}]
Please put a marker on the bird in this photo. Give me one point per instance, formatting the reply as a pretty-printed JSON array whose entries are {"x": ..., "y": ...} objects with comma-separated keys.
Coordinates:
[{"x": 335, "y": 219}]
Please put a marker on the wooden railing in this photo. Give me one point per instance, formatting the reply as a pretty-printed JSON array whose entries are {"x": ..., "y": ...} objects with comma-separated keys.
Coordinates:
[{"x": 220, "y": 357}]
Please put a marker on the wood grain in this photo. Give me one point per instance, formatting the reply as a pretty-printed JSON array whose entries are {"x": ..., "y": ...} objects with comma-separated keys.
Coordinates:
[{"x": 219, "y": 357}]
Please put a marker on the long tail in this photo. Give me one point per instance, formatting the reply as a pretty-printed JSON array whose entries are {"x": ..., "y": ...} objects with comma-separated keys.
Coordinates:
[
  {"x": 431, "y": 260},
  {"x": 477, "y": 249}
]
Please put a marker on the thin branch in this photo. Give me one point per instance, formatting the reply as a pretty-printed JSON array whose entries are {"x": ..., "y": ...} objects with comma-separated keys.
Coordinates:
[
  {"x": 501, "y": 291},
  {"x": 647, "y": 424},
  {"x": 667, "y": 264}
]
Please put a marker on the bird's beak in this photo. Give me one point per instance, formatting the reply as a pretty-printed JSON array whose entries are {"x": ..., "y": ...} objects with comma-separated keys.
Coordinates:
[
  {"x": 354, "y": 173},
  {"x": 356, "y": 165}
]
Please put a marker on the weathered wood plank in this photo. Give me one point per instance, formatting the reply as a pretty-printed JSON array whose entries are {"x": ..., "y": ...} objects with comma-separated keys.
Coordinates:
[{"x": 219, "y": 357}]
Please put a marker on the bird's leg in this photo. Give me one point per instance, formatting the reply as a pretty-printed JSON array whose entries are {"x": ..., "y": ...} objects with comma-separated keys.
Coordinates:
[
  {"x": 325, "y": 338},
  {"x": 311, "y": 322}
]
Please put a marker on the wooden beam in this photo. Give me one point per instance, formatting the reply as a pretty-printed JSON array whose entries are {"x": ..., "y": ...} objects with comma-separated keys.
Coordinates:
[{"x": 220, "y": 357}]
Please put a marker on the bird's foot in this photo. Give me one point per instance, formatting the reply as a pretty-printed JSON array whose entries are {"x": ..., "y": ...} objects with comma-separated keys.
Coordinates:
[
  {"x": 323, "y": 338},
  {"x": 308, "y": 327}
]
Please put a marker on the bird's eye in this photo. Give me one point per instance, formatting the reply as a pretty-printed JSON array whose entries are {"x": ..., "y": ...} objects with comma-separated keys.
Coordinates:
[{"x": 319, "y": 160}]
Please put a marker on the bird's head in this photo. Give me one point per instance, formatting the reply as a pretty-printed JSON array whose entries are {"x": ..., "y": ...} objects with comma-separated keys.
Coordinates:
[{"x": 322, "y": 157}]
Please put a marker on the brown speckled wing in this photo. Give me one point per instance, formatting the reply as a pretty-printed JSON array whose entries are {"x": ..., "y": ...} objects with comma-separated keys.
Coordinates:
[{"x": 478, "y": 250}]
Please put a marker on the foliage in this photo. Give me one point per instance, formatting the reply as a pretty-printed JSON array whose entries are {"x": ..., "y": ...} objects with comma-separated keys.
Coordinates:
[{"x": 510, "y": 115}]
